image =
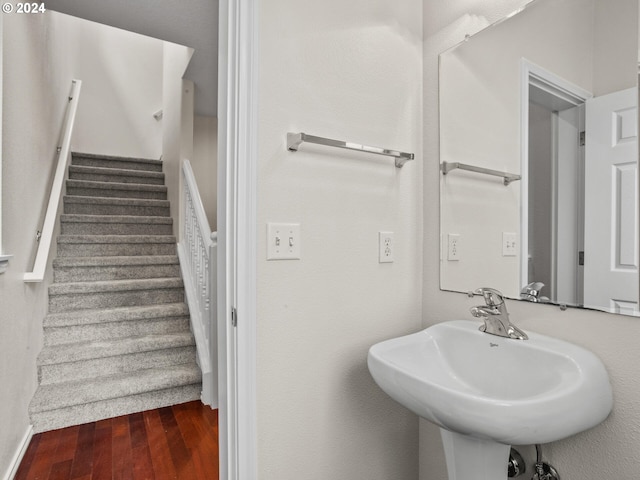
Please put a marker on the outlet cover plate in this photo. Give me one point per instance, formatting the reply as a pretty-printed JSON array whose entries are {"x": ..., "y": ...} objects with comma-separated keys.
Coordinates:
[
  {"x": 509, "y": 244},
  {"x": 386, "y": 247},
  {"x": 453, "y": 247}
]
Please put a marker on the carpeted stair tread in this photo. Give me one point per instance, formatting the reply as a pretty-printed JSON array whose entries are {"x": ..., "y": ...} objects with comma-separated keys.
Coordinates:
[
  {"x": 97, "y": 239},
  {"x": 142, "y": 202},
  {"x": 105, "y": 268},
  {"x": 79, "y": 204},
  {"x": 61, "y": 395},
  {"x": 61, "y": 262},
  {"x": 73, "y": 352},
  {"x": 74, "y": 288},
  {"x": 84, "y": 224},
  {"x": 104, "y": 366},
  {"x": 115, "y": 330},
  {"x": 115, "y": 245},
  {"x": 116, "y": 186},
  {"x": 80, "y": 218},
  {"x": 79, "y": 158},
  {"x": 119, "y": 314},
  {"x": 99, "y": 174},
  {"x": 115, "y": 190},
  {"x": 122, "y": 172},
  {"x": 92, "y": 412}
]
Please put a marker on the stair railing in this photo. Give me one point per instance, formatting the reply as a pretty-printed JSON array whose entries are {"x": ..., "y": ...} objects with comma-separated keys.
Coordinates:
[
  {"x": 45, "y": 236},
  {"x": 197, "y": 252}
]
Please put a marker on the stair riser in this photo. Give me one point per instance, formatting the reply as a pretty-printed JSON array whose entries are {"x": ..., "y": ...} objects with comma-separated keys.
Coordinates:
[
  {"x": 70, "y": 319},
  {"x": 115, "y": 193},
  {"x": 91, "y": 228},
  {"x": 115, "y": 330},
  {"x": 91, "y": 369},
  {"x": 114, "y": 249},
  {"x": 104, "y": 177},
  {"x": 114, "y": 272},
  {"x": 113, "y": 163},
  {"x": 91, "y": 412},
  {"x": 94, "y": 209},
  {"x": 67, "y": 302}
]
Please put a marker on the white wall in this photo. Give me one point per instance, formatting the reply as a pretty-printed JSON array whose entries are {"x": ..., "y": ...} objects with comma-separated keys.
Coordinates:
[
  {"x": 175, "y": 61},
  {"x": 34, "y": 99},
  {"x": 121, "y": 75},
  {"x": 351, "y": 71},
  {"x": 1, "y": 89},
  {"x": 607, "y": 451},
  {"x": 205, "y": 164},
  {"x": 613, "y": 59}
]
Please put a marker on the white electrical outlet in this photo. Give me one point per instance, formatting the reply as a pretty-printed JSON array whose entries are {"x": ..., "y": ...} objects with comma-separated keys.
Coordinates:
[
  {"x": 509, "y": 244},
  {"x": 385, "y": 247},
  {"x": 283, "y": 241},
  {"x": 453, "y": 247}
]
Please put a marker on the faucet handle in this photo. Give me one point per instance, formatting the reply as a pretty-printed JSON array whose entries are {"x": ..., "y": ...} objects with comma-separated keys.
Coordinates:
[{"x": 492, "y": 297}]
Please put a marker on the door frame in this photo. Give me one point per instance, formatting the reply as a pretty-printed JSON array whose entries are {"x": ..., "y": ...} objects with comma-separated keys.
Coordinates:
[
  {"x": 532, "y": 74},
  {"x": 237, "y": 217}
]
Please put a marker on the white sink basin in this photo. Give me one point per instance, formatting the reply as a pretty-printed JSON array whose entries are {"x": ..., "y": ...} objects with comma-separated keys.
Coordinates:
[{"x": 513, "y": 392}]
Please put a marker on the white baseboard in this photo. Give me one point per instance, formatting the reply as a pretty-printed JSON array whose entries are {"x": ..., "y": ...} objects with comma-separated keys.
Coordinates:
[{"x": 12, "y": 468}]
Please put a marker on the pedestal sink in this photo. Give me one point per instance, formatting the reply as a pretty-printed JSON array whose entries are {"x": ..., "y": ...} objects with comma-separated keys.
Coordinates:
[{"x": 488, "y": 392}]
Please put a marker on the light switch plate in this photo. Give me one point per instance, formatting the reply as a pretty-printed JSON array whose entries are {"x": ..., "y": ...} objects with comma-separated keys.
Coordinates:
[{"x": 283, "y": 241}]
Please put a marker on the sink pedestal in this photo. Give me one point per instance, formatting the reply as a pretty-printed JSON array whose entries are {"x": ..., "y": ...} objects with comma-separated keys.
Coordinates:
[
  {"x": 470, "y": 458},
  {"x": 501, "y": 390}
]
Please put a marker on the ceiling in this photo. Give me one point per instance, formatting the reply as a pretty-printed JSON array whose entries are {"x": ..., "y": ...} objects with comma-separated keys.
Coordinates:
[{"x": 193, "y": 23}]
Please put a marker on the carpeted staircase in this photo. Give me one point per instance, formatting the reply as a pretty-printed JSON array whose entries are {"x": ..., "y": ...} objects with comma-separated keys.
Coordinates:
[{"x": 117, "y": 338}]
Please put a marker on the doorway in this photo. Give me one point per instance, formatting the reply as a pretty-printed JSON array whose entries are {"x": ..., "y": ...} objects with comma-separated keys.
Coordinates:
[
  {"x": 552, "y": 214},
  {"x": 579, "y": 193}
]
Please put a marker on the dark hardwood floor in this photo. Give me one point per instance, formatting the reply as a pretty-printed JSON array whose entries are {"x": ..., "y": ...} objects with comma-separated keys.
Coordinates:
[{"x": 179, "y": 442}]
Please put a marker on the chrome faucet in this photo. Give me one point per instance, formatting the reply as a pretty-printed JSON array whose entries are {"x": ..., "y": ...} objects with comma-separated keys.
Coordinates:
[
  {"x": 495, "y": 315},
  {"x": 531, "y": 293}
]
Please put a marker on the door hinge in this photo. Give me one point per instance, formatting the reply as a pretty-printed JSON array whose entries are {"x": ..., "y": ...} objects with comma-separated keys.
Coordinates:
[
  {"x": 582, "y": 138},
  {"x": 234, "y": 317},
  {"x": 580, "y": 258}
]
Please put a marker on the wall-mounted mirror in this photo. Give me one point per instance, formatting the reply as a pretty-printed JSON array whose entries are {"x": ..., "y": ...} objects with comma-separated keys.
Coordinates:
[{"x": 538, "y": 152}]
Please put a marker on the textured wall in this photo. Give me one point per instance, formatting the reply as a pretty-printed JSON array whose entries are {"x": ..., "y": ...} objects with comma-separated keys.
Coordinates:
[
  {"x": 121, "y": 75},
  {"x": 607, "y": 451},
  {"x": 34, "y": 99},
  {"x": 177, "y": 94},
  {"x": 205, "y": 163},
  {"x": 351, "y": 71}
]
